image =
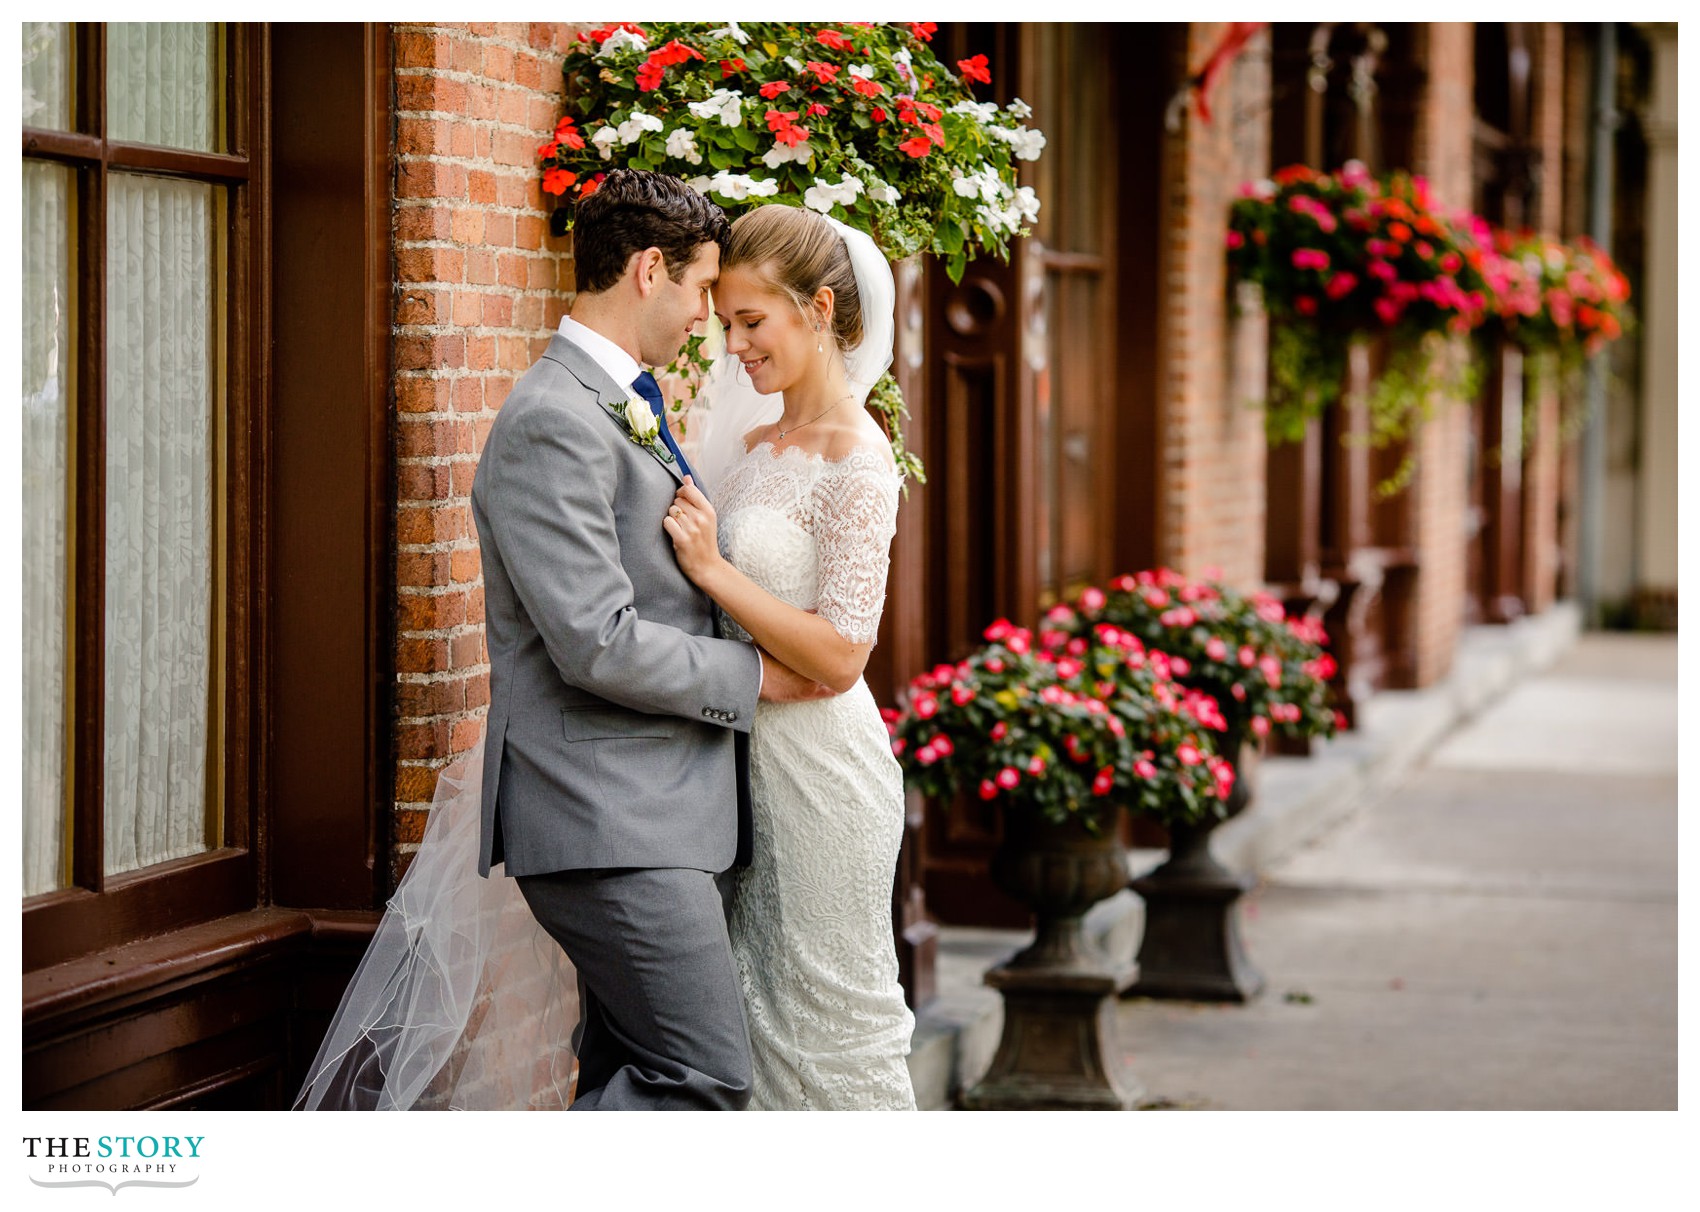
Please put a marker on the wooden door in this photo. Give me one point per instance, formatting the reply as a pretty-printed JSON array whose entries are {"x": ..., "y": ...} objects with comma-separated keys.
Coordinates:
[{"x": 1041, "y": 382}]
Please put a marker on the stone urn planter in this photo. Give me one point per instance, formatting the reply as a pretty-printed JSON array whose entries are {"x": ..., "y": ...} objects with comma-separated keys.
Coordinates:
[
  {"x": 1058, "y": 1050},
  {"x": 1192, "y": 947}
]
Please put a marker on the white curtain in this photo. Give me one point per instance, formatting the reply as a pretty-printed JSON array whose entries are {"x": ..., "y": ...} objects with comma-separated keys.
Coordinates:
[
  {"x": 47, "y": 75},
  {"x": 161, "y": 80},
  {"x": 47, "y": 359},
  {"x": 160, "y": 395}
]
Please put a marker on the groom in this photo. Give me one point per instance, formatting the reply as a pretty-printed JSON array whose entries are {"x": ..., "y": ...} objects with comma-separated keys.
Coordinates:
[{"x": 614, "y": 785}]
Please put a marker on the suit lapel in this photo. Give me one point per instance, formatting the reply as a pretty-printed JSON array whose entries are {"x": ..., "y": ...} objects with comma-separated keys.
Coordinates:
[{"x": 610, "y": 396}]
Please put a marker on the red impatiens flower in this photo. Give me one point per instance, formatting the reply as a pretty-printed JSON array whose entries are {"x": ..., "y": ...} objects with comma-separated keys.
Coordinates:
[
  {"x": 934, "y": 132},
  {"x": 923, "y": 30},
  {"x": 591, "y": 186},
  {"x": 878, "y": 114},
  {"x": 975, "y": 69},
  {"x": 815, "y": 110},
  {"x": 783, "y": 125},
  {"x": 599, "y": 36},
  {"x": 548, "y": 150},
  {"x": 868, "y": 88},
  {"x": 826, "y": 73},
  {"x": 662, "y": 57},
  {"x": 730, "y": 67},
  {"x": 833, "y": 39},
  {"x": 557, "y": 180},
  {"x": 773, "y": 88}
]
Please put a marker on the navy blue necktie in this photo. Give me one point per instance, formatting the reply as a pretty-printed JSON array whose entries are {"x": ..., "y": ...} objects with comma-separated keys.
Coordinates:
[{"x": 650, "y": 390}]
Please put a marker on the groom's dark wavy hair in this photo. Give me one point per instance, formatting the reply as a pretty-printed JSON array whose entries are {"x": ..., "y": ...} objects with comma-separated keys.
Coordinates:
[{"x": 634, "y": 210}]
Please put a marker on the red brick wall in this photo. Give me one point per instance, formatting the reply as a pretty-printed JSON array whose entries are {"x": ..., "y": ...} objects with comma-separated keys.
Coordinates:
[
  {"x": 1443, "y": 154},
  {"x": 1211, "y": 496},
  {"x": 1542, "y": 464},
  {"x": 479, "y": 287}
]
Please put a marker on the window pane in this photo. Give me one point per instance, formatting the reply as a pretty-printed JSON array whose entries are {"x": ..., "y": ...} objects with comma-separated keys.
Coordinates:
[
  {"x": 47, "y": 74},
  {"x": 47, "y": 364},
  {"x": 163, "y": 244},
  {"x": 162, "y": 84}
]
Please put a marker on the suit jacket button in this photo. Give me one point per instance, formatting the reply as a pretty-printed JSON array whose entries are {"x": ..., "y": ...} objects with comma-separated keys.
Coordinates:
[{"x": 731, "y": 715}]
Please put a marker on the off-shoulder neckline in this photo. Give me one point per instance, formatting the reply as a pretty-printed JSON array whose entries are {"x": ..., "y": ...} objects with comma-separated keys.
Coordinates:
[{"x": 777, "y": 453}]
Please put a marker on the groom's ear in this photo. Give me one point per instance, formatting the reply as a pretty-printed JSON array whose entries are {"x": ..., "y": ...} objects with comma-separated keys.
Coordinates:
[{"x": 648, "y": 268}]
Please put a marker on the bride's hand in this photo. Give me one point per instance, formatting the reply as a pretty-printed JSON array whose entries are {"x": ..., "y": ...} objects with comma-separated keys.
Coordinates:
[{"x": 690, "y": 523}]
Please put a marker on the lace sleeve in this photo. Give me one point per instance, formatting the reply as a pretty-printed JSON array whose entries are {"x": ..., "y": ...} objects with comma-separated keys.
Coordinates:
[{"x": 855, "y": 519}]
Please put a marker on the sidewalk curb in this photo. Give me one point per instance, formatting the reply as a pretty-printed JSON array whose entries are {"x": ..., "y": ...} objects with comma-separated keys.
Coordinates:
[{"x": 1298, "y": 800}]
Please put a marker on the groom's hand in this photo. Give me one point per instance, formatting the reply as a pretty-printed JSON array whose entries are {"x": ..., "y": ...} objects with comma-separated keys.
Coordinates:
[{"x": 782, "y": 684}]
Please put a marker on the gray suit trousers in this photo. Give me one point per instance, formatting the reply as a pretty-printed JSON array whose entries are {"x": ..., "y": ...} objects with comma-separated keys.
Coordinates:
[{"x": 662, "y": 1026}]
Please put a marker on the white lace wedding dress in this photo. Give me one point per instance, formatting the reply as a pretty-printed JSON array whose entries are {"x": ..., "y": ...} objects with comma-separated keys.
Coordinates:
[{"x": 811, "y": 916}]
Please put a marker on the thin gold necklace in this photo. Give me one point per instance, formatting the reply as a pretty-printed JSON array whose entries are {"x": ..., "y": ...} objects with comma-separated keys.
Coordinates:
[{"x": 817, "y": 416}]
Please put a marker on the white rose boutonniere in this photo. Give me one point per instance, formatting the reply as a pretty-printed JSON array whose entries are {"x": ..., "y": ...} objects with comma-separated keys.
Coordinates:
[{"x": 645, "y": 427}]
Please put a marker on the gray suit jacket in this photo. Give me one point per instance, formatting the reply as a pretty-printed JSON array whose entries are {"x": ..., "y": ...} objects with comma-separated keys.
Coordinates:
[{"x": 611, "y": 739}]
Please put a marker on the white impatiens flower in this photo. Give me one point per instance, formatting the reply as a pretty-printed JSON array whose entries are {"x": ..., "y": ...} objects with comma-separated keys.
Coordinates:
[
  {"x": 793, "y": 64},
  {"x": 701, "y": 184},
  {"x": 731, "y": 30},
  {"x": 1024, "y": 141},
  {"x": 604, "y": 140},
  {"x": 1020, "y": 109},
  {"x": 985, "y": 184},
  {"x": 998, "y": 219},
  {"x": 822, "y": 196},
  {"x": 633, "y": 128},
  {"x": 682, "y": 144},
  {"x": 796, "y": 153},
  {"x": 981, "y": 111},
  {"x": 1027, "y": 202},
  {"x": 619, "y": 40},
  {"x": 879, "y": 191},
  {"x": 738, "y": 186},
  {"x": 864, "y": 70},
  {"x": 905, "y": 65},
  {"x": 723, "y": 103}
]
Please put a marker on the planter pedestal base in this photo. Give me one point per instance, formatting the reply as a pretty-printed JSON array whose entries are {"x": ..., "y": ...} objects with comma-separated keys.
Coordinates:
[
  {"x": 1058, "y": 1051},
  {"x": 1192, "y": 948}
]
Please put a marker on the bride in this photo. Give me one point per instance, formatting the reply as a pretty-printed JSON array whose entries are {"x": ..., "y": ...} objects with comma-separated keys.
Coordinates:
[{"x": 462, "y": 1000}]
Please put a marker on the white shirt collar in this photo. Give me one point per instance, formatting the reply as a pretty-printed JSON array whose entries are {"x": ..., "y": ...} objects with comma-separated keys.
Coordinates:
[{"x": 620, "y": 365}]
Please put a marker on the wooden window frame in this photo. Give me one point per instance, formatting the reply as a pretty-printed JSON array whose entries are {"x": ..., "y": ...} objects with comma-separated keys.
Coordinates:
[{"x": 97, "y": 910}]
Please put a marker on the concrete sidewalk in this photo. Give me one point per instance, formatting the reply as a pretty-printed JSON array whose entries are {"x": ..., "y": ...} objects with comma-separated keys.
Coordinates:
[{"x": 1469, "y": 903}]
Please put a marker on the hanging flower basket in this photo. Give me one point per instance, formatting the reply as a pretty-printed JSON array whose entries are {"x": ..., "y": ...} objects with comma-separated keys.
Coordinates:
[
  {"x": 1346, "y": 256},
  {"x": 1563, "y": 303},
  {"x": 856, "y": 120}
]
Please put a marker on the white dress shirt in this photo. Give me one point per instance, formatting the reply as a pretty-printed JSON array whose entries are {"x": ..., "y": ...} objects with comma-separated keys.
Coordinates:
[{"x": 620, "y": 365}]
